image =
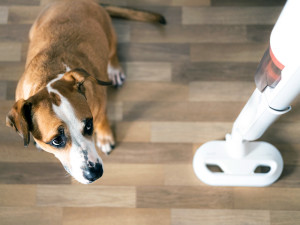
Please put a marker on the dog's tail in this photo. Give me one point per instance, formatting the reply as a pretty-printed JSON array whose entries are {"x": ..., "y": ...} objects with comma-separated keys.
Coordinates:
[{"x": 133, "y": 14}]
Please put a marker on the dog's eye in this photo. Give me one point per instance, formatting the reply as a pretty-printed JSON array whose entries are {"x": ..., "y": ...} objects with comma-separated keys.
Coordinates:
[
  {"x": 59, "y": 141},
  {"x": 88, "y": 128}
]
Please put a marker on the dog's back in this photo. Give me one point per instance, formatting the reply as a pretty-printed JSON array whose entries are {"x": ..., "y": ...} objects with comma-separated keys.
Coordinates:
[{"x": 67, "y": 29}]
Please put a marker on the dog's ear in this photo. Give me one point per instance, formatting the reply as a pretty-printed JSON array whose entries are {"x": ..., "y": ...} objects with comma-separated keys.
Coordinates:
[
  {"x": 85, "y": 83},
  {"x": 80, "y": 75},
  {"x": 20, "y": 118}
]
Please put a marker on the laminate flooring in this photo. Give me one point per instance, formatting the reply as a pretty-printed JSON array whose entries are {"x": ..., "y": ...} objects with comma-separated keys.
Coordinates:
[{"x": 186, "y": 83}]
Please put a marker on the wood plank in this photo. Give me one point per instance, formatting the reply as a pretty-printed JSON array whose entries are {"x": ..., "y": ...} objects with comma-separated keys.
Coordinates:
[
  {"x": 24, "y": 51},
  {"x": 289, "y": 177},
  {"x": 182, "y": 111},
  {"x": 86, "y": 196},
  {"x": 170, "y": 2},
  {"x": 113, "y": 216},
  {"x": 293, "y": 115},
  {"x": 187, "y": 132},
  {"x": 14, "y": 32},
  {"x": 5, "y": 106},
  {"x": 122, "y": 29},
  {"x": 147, "y": 33},
  {"x": 10, "y": 51},
  {"x": 285, "y": 217},
  {"x": 11, "y": 71},
  {"x": 133, "y": 132},
  {"x": 11, "y": 90},
  {"x": 20, "y": 2},
  {"x": 115, "y": 111},
  {"x": 230, "y": 15},
  {"x": 157, "y": 2},
  {"x": 153, "y": 52},
  {"x": 219, "y": 216},
  {"x": 17, "y": 195},
  {"x": 150, "y": 153},
  {"x": 146, "y": 2},
  {"x": 259, "y": 33},
  {"x": 43, "y": 3},
  {"x": 196, "y": 146},
  {"x": 251, "y": 52},
  {"x": 246, "y": 3},
  {"x": 213, "y": 71},
  {"x": 131, "y": 175},
  {"x": 147, "y": 71},
  {"x": 3, "y": 14},
  {"x": 23, "y": 14},
  {"x": 267, "y": 198},
  {"x": 151, "y": 91},
  {"x": 30, "y": 215},
  {"x": 186, "y": 84},
  {"x": 290, "y": 153},
  {"x": 221, "y": 91},
  {"x": 283, "y": 133},
  {"x": 184, "y": 197},
  {"x": 111, "y": 2},
  {"x": 16, "y": 153},
  {"x": 33, "y": 173},
  {"x": 181, "y": 175},
  {"x": 191, "y": 2},
  {"x": 3, "y": 90}
]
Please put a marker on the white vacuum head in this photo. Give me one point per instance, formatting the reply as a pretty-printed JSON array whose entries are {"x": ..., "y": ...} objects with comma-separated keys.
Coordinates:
[{"x": 240, "y": 171}]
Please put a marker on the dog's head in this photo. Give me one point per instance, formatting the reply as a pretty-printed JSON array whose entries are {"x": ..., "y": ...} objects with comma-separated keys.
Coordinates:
[{"x": 60, "y": 121}]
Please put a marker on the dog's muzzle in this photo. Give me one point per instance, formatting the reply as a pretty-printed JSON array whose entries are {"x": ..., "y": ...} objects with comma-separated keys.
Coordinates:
[{"x": 92, "y": 171}]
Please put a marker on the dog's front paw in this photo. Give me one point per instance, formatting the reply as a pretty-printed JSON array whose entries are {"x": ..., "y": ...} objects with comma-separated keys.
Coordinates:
[
  {"x": 105, "y": 142},
  {"x": 116, "y": 75}
]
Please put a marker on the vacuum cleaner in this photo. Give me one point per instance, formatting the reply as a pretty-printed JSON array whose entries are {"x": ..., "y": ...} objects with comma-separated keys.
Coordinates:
[{"x": 277, "y": 79}]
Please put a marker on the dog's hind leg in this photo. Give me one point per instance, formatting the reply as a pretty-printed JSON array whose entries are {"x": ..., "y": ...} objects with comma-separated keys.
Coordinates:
[
  {"x": 115, "y": 72},
  {"x": 114, "y": 69}
]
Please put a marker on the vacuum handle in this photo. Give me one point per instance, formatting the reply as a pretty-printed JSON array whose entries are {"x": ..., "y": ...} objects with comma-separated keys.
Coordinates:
[
  {"x": 255, "y": 118},
  {"x": 277, "y": 77}
]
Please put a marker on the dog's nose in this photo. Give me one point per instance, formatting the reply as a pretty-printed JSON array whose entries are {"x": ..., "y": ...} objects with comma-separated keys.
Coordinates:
[{"x": 93, "y": 172}]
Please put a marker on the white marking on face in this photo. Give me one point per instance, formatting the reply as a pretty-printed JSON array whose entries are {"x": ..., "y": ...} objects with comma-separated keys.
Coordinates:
[
  {"x": 83, "y": 149},
  {"x": 49, "y": 88},
  {"x": 67, "y": 67}
]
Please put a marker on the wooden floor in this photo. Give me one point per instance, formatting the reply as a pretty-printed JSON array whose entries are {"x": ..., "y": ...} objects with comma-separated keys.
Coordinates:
[{"x": 186, "y": 83}]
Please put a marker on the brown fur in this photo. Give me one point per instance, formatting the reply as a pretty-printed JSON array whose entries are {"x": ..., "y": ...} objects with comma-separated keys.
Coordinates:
[
  {"x": 19, "y": 119},
  {"x": 132, "y": 14},
  {"x": 78, "y": 34},
  {"x": 70, "y": 34}
]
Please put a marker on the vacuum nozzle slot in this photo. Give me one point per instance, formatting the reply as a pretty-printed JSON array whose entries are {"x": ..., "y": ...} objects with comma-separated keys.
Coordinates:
[
  {"x": 262, "y": 169},
  {"x": 214, "y": 168}
]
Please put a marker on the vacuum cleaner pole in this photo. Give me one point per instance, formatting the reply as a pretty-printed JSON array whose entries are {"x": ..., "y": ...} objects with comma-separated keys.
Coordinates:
[{"x": 278, "y": 83}]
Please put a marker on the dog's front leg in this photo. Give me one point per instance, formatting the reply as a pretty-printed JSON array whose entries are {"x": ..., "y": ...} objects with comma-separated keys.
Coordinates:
[{"x": 104, "y": 136}]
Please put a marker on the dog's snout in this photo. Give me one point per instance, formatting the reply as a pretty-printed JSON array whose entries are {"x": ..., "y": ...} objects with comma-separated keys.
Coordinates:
[{"x": 93, "y": 171}]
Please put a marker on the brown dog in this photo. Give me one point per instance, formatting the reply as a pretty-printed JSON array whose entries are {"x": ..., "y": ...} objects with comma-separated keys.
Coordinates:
[{"x": 61, "y": 97}]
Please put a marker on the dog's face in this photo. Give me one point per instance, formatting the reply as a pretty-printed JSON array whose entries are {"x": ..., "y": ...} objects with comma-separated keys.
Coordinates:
[{"x": 61, "y": 122}]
